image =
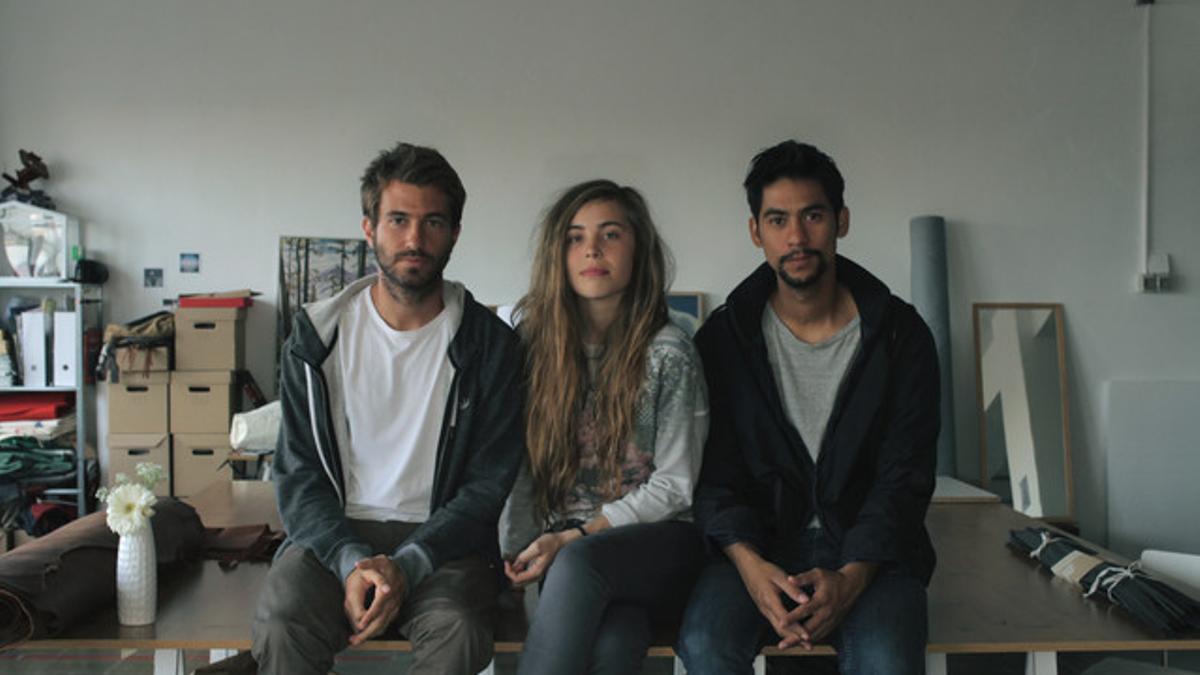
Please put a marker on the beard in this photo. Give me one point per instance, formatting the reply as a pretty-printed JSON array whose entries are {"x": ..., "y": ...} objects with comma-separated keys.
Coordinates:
[
  {"x": 802, "y": 283},
  {"x": 411, "y": 285}
]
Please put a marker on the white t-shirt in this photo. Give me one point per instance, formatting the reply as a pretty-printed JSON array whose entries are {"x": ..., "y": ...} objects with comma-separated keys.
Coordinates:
[{"x": 396, "y": 386}]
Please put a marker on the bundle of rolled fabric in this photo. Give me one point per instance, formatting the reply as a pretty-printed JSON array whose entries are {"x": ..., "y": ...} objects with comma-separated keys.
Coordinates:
[
  {"x": 48, "y": 584},
  {"x": 1148, "y": 600}
]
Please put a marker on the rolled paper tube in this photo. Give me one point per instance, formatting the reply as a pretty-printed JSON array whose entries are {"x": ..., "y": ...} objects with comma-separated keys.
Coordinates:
[
  {"x": 931, "y": 298},
  {"x": 257, "y": 429},
  {"x": 1181, "y": 570}
]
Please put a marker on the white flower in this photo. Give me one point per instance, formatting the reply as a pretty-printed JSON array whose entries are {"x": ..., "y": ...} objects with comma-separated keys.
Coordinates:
[
  {"x": 130, "y": 506},
  {"x": 149, "y": 473}
]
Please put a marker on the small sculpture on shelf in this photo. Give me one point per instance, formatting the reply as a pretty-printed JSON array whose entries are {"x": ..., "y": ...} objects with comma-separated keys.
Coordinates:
[{"x": 32, "y": 168}]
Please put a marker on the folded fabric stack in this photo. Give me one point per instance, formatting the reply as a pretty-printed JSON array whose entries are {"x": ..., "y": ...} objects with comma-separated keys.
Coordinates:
[
  {"x": 44, "y": 431},
  {"x": 36, "y": 405},
  {"x": 44, "y": 416},
  {"x": 37, "y": 449},
  {"x": 1149, "y": 600}
]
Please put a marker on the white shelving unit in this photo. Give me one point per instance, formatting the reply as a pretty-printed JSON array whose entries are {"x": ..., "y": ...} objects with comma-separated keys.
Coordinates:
[
  {"x": 68, "y": 296},
  {"x": 37, "y": 241}
]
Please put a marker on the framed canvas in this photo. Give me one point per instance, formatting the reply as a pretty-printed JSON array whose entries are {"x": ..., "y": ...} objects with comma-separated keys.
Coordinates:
[{"x": 314, "y": 268}]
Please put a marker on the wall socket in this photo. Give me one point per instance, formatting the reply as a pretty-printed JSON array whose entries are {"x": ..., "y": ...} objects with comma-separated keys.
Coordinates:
[
  {"x": 1153, "y": 283},
  {"x": 1157, "y": 277}
]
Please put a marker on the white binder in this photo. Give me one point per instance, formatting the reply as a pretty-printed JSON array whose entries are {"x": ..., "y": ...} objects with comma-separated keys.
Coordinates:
[
  {"x": 33, "y": 348},
  {"x": 66, "y": 348}
]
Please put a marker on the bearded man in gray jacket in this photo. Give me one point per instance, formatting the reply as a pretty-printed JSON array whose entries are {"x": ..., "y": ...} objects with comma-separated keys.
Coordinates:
[{"x": 399, "y": 443}]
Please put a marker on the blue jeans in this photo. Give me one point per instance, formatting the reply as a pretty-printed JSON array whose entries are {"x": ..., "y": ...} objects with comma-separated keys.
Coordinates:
[
  {"x": 885, "y": 631},
  {"x": 605, "y": 593}
]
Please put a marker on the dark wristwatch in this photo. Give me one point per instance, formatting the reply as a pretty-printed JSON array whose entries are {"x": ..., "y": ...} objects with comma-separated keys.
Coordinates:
[{"x": 569, "y": 524}]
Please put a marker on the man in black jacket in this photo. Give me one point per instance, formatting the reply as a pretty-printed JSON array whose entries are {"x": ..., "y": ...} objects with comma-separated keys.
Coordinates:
[
  {"x": 819, "y": 464},
  {"x": 398, "y": 446}
]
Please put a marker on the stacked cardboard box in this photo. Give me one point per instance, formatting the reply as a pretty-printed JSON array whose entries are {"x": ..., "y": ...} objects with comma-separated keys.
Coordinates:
[
  {"x": 138, "y": 417},
  {"x": 209, "y": 350}
]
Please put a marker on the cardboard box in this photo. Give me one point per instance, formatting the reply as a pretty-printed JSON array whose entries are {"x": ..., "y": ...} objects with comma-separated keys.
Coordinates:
[
  {"x": 202, "y": 401},
  {"x": 239, "y": 298},
  {"x": 197, "y": 462},
  {"x": 126, "y": 451},
  {"x": 210, "y": 338},
  {"x": 208, "y": 301},
  {"x": 144, "y": 360},
  {"x": 138, "y": 404}
]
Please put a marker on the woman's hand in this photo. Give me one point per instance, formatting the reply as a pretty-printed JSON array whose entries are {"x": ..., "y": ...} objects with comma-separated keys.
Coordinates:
[{"x": 532, "y": 563}]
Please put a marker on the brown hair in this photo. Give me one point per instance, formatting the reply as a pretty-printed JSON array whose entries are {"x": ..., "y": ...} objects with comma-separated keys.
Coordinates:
[
  {"x": 416, "y": 165},
  {"x": 556, "y": 367}
]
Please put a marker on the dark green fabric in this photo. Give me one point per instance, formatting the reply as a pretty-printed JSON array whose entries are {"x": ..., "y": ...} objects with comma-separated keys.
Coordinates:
[{"x": 23, "y": 457}]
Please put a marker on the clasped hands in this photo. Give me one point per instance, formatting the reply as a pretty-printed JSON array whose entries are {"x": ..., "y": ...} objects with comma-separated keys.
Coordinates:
[
  {"x": 818, "y": 611},
  {"x": 375, "y": 590},
  {"x": 531, "y": 564}
]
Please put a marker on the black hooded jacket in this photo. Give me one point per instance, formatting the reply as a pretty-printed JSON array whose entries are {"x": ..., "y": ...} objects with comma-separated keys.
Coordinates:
[{"x": 874, "y": 477}]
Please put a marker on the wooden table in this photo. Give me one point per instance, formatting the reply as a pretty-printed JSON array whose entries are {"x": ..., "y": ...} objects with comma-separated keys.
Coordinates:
[
  {"x": 239, "y": 502},
  {"x": 983, "y": 598}
]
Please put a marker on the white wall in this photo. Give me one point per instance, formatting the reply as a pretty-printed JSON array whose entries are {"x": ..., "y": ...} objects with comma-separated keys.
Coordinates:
[{"x": 216, "y": 127}]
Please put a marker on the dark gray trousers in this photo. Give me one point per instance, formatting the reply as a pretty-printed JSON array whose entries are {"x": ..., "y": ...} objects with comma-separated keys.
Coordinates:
[
  {"x": 300, "y": 625},
  {"x": 605, "y": 594}
]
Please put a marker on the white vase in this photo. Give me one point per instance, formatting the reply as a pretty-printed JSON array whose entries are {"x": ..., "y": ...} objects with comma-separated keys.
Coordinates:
[{"x": 137, "y": 578}]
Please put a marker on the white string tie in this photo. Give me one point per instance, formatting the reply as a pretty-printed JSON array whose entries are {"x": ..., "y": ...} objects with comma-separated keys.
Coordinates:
[
  {"x": 1108, "y": 578},
  {"x": 1046, "y": 540}
]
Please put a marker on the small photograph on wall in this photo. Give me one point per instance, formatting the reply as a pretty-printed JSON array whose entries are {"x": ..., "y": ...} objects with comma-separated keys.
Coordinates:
[
  {"x": 189, "y": 263},
  {"x": 152, "y": 277}
]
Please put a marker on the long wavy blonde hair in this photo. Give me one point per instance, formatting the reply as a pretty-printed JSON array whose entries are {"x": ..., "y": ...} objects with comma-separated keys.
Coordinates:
[{"x": 551, "y": 327}]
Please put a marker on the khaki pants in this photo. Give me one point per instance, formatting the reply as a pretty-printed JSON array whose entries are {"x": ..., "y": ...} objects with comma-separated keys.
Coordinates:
[{"x": 300, "y": 625}]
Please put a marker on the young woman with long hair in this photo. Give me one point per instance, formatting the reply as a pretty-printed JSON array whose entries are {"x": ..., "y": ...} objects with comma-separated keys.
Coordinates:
[{"x": 616, "y": 419}]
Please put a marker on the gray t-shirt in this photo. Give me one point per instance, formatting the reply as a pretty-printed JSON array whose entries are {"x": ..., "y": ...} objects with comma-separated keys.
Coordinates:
[{"x": 809, "y": 376}]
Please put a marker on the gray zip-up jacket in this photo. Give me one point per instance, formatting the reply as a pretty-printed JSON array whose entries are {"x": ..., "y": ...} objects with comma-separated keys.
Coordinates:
[
  {"x": 670, "y": 422},
  {"x": 479, "y": 450}
]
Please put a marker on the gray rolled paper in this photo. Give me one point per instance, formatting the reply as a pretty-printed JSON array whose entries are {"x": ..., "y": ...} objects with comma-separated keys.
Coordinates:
[{"x": 931, "y": 298}]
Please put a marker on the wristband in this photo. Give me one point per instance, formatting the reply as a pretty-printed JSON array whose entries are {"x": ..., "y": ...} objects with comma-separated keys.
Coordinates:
[{"x": 582, "y": 532}]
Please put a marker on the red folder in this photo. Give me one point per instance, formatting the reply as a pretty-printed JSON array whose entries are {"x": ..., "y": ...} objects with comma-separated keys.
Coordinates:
[{"x": 203, "y": 301}]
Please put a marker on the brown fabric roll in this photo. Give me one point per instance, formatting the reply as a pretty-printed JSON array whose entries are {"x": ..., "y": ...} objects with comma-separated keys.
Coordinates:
[{"x": 51, "y": 582}]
